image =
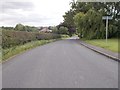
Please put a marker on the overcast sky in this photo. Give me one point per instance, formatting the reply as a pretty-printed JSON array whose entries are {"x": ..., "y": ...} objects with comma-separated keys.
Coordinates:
[{"x": 32, "y": 12}]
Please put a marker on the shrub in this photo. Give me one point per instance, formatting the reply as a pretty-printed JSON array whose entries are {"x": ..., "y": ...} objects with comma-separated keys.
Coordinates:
[
  {"x": 47, "y": 36},
  {"x": 14, "y": 38}
]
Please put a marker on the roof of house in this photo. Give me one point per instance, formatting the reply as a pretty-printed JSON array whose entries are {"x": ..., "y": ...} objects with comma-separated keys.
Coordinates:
[{"x": 45, "y": 29}]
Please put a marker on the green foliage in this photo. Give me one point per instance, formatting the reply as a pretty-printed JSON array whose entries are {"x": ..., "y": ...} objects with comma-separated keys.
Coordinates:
[
  {"x": 47, "y": 36},
  {"x": 69, "y": 22},
  {"x": 68, "y": 19},
  {"x": 78, "y": 19},
  {"x": 21, "y": 48},
  {"x": 60, "y": 30},
  {"x": 112, "y": 44},
  {"x": 63, "y": 30},
  {"x": 54, "y": 30},
  {"x": 89, "y": 24},
  {"x": 86, "y": 17},
  {"x": 14, "y": 38},
  {"x": 63, "y": 36},
  {"x": 20, "y": 27},
  {"x": 7, "y": 28}
]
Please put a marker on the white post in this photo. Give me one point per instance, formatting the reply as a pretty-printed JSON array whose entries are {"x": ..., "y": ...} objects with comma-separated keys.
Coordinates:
[
  {"x": 106, "y": 29},
  {"x": 107, "y": 18}
]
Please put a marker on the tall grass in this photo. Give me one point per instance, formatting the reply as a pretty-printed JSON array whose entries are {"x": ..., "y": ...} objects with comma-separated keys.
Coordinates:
[{"x": 7, "y": 53}]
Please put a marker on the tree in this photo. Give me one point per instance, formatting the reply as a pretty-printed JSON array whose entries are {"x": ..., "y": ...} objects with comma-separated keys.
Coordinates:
[
  {"x": 89, "y": 25},
  {"x": 68, "y": 19},
  {"x": 93, "y": 26},
  {"x": 54, "y": 30},
  {"x": 7, "y": 28},
  {"x": 88, "y": 18},
  {"x": 78, "y": 19},
  {"x": 19, "y": 27},
  {"x": 63, "y": 30}
]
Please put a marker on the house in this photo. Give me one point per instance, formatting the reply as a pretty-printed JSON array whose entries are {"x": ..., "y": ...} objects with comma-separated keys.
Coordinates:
[{"x": 45, "y": 29}]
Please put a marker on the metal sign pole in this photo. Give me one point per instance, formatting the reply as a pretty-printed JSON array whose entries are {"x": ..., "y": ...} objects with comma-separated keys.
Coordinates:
[
  {"x": 107, "y": 18},
  {"x": 106, "y": 29}
]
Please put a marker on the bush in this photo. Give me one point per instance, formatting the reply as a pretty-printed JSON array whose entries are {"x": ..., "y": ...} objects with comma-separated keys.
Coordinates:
[
  {"x": 14, "y": 38},
  {"x": 47, "y": 36}
]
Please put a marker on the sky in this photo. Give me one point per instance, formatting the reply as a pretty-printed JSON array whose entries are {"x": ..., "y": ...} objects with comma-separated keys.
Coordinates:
[{"x": 33, "y": 12}]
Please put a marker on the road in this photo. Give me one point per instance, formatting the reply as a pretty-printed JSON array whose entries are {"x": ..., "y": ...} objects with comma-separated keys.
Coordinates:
[{"x": 61, "y": 64}]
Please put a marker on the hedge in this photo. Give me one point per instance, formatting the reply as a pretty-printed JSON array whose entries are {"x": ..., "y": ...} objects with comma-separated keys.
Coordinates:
[
  {"x": 14, "y": 38},
  {"x": 47, "y": 36}
]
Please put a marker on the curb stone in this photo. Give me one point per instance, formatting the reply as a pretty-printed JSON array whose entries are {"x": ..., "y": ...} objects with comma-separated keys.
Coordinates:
[{"x": 105, "y": 54}]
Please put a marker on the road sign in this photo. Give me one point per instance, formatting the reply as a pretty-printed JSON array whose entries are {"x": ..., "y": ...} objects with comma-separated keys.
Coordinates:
[{"x": 107, "y": 18}]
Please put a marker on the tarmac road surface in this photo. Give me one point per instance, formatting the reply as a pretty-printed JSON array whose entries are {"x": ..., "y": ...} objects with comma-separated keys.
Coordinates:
[{"x": 61, "y": 64}]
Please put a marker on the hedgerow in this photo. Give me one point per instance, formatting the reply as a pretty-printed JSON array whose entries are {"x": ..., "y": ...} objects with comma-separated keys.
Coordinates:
[{"x": 14, "y": 38}]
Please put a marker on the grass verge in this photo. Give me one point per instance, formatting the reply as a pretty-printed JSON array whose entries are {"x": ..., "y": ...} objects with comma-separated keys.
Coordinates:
[
  {"x": 64, "y": 36},
  {"x": 7, "y": 53},
  {"x": 111, "y": 45}
]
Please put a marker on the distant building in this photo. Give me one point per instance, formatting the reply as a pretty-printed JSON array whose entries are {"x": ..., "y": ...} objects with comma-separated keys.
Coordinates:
[{"x": 46, "y": 30}]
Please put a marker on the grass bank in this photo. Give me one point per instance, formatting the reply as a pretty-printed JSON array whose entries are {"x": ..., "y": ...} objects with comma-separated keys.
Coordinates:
[
  {"x": 111, "y": 45},
  {"x": 7, "y": 53}
]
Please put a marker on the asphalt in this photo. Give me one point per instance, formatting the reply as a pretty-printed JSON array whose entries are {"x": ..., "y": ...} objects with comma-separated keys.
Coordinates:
[{"x": 61, "y": 64}]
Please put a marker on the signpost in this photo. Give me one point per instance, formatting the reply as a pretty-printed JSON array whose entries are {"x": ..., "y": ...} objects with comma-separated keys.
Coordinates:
[{"x": 107, "y": 18}]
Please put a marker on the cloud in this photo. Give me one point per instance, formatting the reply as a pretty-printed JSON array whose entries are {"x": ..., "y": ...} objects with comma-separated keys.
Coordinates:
[
  {"x": 18, "y": 5},
  {"x": 16, "y": 18},
  {"x": 10, "y": 6},
  {"x": 33, "y": 12}
]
